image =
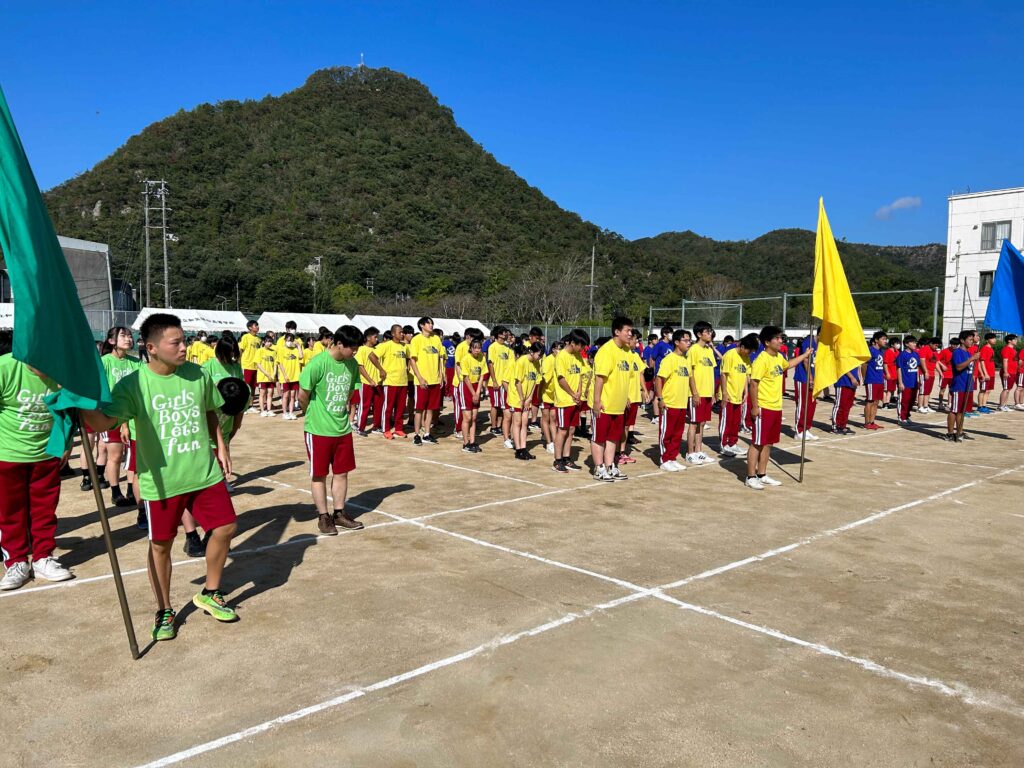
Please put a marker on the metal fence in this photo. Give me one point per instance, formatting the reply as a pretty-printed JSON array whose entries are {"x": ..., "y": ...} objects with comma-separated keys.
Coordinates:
[{"x": 101, "y": 320}]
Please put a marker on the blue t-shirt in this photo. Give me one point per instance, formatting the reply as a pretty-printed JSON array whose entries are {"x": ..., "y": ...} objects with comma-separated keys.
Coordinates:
[
  {"x": 800, "y": 371},
  {"x": 963, "y": 381},
  {"x": 909, "y": 362},
  {"x": 850, "y": 380},
  {"x": 449, "y": 360},
  {"x": 661, "y": 350},
  {"x": 487, "y": 342},
  {"x": 648, "y": 355},
  {"x": 875, "y": 373}
]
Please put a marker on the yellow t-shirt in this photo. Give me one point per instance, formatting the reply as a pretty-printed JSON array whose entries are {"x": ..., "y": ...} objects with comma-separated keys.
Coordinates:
[
  {"x": 612, "y": 363},
  {"x": 392, "y": 356},
  {"x": 307, "y": 355},
  {"x": 363, "y": 359},
  {"x": 636, "y": 377},
  {"x": 588, "y": 382},
  {"x": 767, "y": 371},
  {"x": 266, "y": 362},
  {"x": 250, "y": 345},
  {"x": 702, "y": 368},
  {"x": 290, "y": 361},
  {"x": 737, "y": 370},
  {"x": 471, "y": 368},
  {"x": 461, "y": 350},
  {"x": 527, "y": 375},
  {"x": 318, "y": 347},
  {"x": 429, "y": 354},
  {"x": 547, "y": 379},
  {"x": 674, "y": 371},
  {"x": 500, "y": 358},
  {"x": 568, "y": 366}
]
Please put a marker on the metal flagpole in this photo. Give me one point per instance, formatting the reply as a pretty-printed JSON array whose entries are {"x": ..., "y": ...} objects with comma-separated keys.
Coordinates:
[
  {"x": 807, "y": 398},
  {"x": 108, "y": 541}
]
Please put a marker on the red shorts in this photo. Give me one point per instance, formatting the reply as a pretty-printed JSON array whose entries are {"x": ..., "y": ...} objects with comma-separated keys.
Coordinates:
[
  {"x": 112, "y": 436},
  {"x": 513, "y": 409},
  {"x": 129, "y": 460},
  {"x": 609, "y": 427},
  {"x": 874, "y": 392},
  {"x": 548, "y": 406},
  {"x": 498, "y": 400},
  {"x": 984, "y": 385},
  {"x": 946, "y": 381},
  {"x": 428, "y": 398},
  {"x": 631, "y": 412},
  {"x": 356, "y": 395},
  {"x": 465, "y": 395},
  {"x": 1020, "y": 379},
  {"x": 536, "y": 396},
  {"x": 649, "y": 386},
  {"x": 211, "y": 507},
  {"x": 568, "y": 417},
  {"x": 1008, "y": 380},
  {"x": 928, "y": 384},
  {"x": 266, "y": 385},
  {"x": 289, "y": 386},
  {"x": 767, "y": 427},
  {"x": 958, "y": 401},
  {"x": 698, "y": 410},
  {"x": 249, "y": 376},
  {"x": 330, "y": 454}
]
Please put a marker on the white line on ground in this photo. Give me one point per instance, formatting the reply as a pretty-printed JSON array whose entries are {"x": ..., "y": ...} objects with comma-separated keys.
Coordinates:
[
  {"x": 959, "y": 691},
  {"x": 911, "y": 458},
  {"x": 477, "y": 471}
]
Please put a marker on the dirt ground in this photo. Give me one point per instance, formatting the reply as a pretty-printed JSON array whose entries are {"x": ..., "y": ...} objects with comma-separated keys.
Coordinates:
[{"x": 496, "y": 613}]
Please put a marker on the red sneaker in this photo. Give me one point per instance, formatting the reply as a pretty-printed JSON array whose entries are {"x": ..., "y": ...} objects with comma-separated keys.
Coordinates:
[
  {"x": 399, "y": 433},
  {"x": 388, "y": 435}
]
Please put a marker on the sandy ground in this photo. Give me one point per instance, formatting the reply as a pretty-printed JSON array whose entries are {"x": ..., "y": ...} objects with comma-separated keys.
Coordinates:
[{"x": 496, "y": 613}]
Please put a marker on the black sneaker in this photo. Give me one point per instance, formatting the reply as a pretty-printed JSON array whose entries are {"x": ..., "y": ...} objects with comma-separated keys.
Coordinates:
[
  {"x": 363, "y": 432},
  {"x": 847, "y": 431},
  {"x": 522, "y": 455},
  {"x": 571, "y": 465},
  {"x": 476, "y": 447},
  {"x": 430, "y": 440},
  {"x": 119, "y": 499},
  {"x": 495, "y": 431},
  {"x": 467, "y": 448},
  {"x": 950, "y": 438},
  {"x": 194, "y": 546},
  {"x": 558, "y": 465},
  {"x": 417, "y": 440},
  {"x": 104, "y": 485},
  {"x": 528, "y": 455},
  {"x": 86, "y": 483},
  {"x": 142, "y": 521}
]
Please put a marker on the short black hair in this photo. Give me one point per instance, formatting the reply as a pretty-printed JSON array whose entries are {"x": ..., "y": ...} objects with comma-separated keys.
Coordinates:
[
  {"x": 577, "y": 336},
  {"x": 251, "y": 323},
  {"x": 620, "y": 322},
  {"x": 965, "y": 335},
  {"x": 535, "y": 331},
  {"x": 769, "y": 332},
  {"x": 989, "y": 336},
  {"x": 371, "y": 331},
  {"x": 666, "y": 330},
  {"x": 701, "y": 326},
  {"x": 750, "y": 342},
  {"x": 909, "y": 339},
  {"x": 154, "y": 325},
  {"x": 408, "y": 329},
  {"x": 421, "y": 322},
  {"x": 878, "y": 335},
  {"x": 291, "y": 325},
  {"x": 728, "y": 339},
  {"x": 536, "y": 347},
  {"x": 954, "y": 341},
  {"x": 348, "y": 336},
  {"x": 682, "y": 333},
  {"x": 1009, "y": 337}
]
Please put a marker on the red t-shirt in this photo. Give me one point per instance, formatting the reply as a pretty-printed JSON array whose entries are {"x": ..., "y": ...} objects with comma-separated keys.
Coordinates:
[
  {"x": 945, "y": 357},
  {"x": 927, "y": 355},
  {"x": 889, "y": 356},
  {"x": 1009, "y": 360},
  {"x": 988, "y": 359}
]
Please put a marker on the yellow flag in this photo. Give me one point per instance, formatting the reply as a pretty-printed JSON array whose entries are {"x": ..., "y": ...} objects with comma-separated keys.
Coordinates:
[{"x": 841, "y": 343}]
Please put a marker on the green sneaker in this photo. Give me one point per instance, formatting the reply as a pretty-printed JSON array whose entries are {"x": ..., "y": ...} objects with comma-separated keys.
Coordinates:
[
  {"x": 215, "y": 605},
  {"x": 164, "y": 628}
]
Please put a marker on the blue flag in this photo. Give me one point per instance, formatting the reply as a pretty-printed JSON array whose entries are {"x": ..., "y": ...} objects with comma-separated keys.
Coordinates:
[{"x": 1006, "y": 303}]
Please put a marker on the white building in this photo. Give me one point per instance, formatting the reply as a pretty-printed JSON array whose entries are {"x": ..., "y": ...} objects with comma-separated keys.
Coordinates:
[{"x": 978, "y": 224}]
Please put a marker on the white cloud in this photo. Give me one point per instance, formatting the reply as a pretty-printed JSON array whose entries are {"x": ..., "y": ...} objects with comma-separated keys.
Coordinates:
[{"x": 899, "y": 204}]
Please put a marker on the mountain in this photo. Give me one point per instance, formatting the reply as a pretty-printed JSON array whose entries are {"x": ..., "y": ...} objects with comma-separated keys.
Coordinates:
[{"x": 363, "y": 171}]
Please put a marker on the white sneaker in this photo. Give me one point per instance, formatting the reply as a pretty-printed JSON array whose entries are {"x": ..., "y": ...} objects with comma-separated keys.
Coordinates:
[
  {"x": 616, "y": 474},
  {"x": 601, "y": 474},
  {"x": 1019, "y": 407},
  {"x": 263, "y": 414},
  {"x": 811, "y": 435},
  {"x": 16, "y": 576},
  {"x": 252, "y": 410},
  {"x": 550, "y": 448},
  {"x": 755, "y": 483},
  {"x": 458, "y": 435},
  {"x": 705, "y": 459},
  {"x": 670, "y": 466},
  {"x": 50, "y": 569},
  {"x": 509, "y": 443},
  {"x": 654, "y": 421},
  {"x": 691, "y": 458},
  {"x": 271, "y": 414},
  {"x": 768, "y": 481}
]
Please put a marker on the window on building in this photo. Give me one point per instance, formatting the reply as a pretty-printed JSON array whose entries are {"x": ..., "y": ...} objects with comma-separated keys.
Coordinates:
[
  {"x": 993, "y": 233},
  {"x": 985, "y": 283}
]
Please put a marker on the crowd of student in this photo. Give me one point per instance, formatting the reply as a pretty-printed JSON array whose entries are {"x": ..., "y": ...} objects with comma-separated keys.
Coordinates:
[{"x": 168, "y": 429}]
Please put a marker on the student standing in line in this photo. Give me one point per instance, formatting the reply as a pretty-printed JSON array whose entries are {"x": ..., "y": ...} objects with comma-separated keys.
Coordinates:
[
  {"x": 735, "y": 383},
  {"x": 986, "y": 372},
  {"x": 908, "y": 368},
  {"x": 371, "y": 376},
  {"x": 803, "y": 389},
  {"x": 945, "y": 359},
  {"x": 174, "y": 404},
  {"x": 766, "y": 378},
  {"x": 426, "y": 362},
  {"x": 250, "y": 345},
  {"x": 569, "y": 396},
  {"x": 392, "y": 356},
  {"x": 499, "y": 357},
  {"x": 875, "y": 380},
  {"x": 846, "y": 393},
  {"x": 117, "y": 364},
  {"x": 961, "y": 388},
  {"x": 324, "y": 391},
  {"x": 611, "y": 396},
  {"x": 702, "y": 360},
  {"x": 889, "y": 355},
  {"x": 637, "y": 396},
  {"x": 548, "y": 422},
  {"x": 1009, "y": 372},
  {"x": 470, "y": 377},
  {"x": 672, "y": 390},
  {"x": 266, "y": 374},
  {"x": 524, "y": 380},
  {"x": 289, "y": 366}
]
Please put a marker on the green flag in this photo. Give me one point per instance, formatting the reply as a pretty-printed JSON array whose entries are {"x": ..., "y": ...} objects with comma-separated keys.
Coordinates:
[{"x": 51, "y": 333}]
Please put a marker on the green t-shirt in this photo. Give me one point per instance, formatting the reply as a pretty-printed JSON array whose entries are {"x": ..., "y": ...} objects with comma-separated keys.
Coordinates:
[
  {"x": 330, "y": 383},
  {"x": 174, "y": 448},
  {"x": 116, "y": 369},
  {"x": 218, "y": 371},
  {"x": 25, "y": 423}
]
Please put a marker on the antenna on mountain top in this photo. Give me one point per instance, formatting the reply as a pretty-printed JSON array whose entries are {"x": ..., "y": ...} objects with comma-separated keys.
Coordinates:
[{"x": 362, "y": 61}]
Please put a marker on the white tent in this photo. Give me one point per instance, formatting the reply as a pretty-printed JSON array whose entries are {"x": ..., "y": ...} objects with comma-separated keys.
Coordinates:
[
  {"x": 446, "y": 324},
  {"x": 7, "y": 316},
  {"x": 305, "y": 322},
  {"x": 199, "y": 319}
]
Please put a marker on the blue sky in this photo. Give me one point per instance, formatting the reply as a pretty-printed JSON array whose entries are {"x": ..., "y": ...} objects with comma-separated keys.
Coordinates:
[{"x": 729, "y": 119}]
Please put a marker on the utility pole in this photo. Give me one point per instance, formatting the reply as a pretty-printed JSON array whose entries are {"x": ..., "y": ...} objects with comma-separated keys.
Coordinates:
[
  {"x": 159, "y": 189},
  {"x": 593, "y": 254}
]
